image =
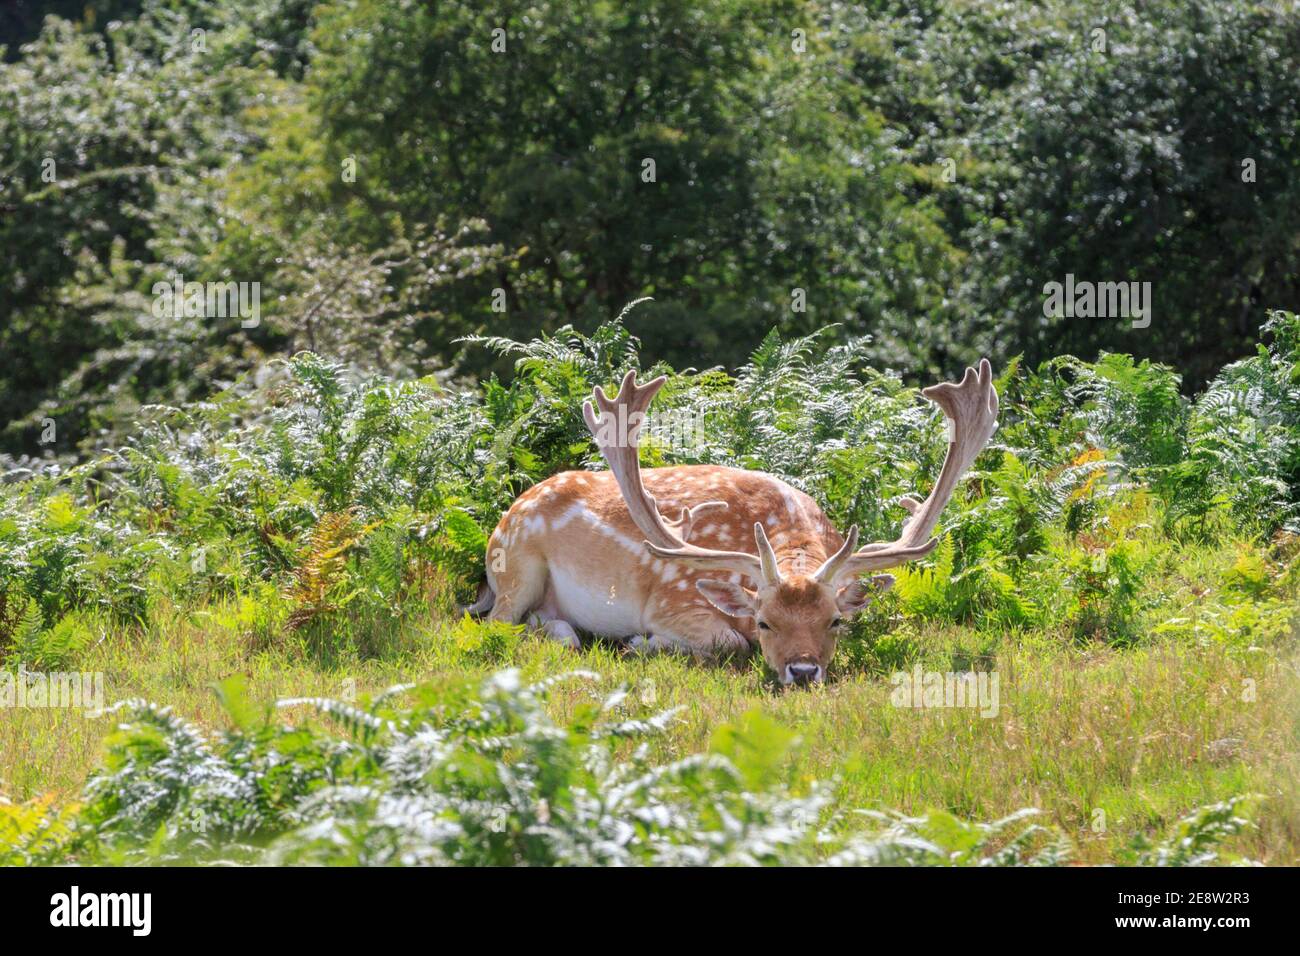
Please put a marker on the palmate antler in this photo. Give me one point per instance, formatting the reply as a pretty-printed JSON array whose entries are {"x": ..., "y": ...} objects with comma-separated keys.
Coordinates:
[
  {"x": 971, "y": 407},
  {"x": 616, "y": 431}
]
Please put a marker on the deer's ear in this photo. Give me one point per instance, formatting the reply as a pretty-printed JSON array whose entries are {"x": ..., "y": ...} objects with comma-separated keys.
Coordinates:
[
  {"x": 857, "y": 594},
  {"x": 728, "y": 598}
]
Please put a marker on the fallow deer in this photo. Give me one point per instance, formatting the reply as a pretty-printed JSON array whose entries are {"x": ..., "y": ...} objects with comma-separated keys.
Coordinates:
[{"x": 596, "y": 551}]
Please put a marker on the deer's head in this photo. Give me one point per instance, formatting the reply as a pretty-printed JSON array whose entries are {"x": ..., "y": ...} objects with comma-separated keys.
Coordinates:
[{"x": 796, "y": 616}]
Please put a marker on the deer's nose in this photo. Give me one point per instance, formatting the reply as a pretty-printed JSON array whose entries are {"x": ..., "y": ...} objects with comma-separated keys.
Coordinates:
[{"x": 802, "y": 673}]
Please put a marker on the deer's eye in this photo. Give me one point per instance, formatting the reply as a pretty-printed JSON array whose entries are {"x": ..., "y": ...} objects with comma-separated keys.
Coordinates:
[
  {"x": 837, "y": 622},
  {"x": 764, "y": 626}
]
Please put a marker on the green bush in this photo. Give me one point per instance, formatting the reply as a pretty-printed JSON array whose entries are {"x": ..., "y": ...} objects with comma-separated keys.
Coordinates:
[{"x": 361, "y": 502}]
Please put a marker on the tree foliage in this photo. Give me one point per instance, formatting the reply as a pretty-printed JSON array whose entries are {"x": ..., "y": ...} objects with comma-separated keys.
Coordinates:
[{"x": 912, "y": 172}]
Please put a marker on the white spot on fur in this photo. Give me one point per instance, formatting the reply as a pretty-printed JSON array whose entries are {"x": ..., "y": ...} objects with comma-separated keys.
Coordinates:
[
  {"x": 573, "y": 512},
  {"x": 791, "y": 505}
]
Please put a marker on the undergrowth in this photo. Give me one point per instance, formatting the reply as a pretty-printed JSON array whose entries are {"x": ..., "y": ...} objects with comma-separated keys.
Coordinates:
[
  {"x": 484, "y": 777},
  {"x": 340, "y": 505},
  {"x": 336, "y": 517}
]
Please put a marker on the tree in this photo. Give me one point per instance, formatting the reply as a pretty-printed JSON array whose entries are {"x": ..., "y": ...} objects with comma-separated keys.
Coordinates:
[
  {"x": 1112, "y": 144},
  {"x": 706, "y": 153}
]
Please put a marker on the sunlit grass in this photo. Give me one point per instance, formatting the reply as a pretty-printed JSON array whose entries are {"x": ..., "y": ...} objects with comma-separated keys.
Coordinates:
[{"x": 1109, "y": 743}]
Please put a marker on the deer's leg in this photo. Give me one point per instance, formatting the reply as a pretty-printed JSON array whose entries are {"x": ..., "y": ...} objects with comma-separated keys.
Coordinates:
[
  {"x": 702, "y": 632},
  {"x": 519, "y": 585},
  {"x": 647, "y": 645},
  {"x": 557, "y": 630},
  {"x": 523, "y": 595}
]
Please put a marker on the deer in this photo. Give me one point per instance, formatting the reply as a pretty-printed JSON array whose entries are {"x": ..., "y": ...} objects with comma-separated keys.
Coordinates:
[{"x": 661, "y": 559}]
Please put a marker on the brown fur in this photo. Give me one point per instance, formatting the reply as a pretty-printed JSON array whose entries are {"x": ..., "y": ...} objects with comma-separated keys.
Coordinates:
[{"x": 802, "y": 539}]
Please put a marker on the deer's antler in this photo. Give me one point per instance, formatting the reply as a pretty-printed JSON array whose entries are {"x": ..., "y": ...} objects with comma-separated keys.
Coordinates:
[
  {"x": 971, "y": 407},
  {"x": 616, "y": 431}
]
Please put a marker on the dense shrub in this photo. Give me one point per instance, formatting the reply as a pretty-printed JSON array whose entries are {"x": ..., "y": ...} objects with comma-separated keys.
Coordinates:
[{"x": 355, "y": 501}]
